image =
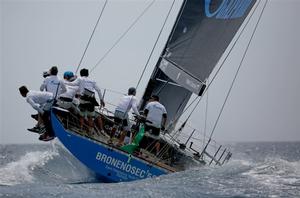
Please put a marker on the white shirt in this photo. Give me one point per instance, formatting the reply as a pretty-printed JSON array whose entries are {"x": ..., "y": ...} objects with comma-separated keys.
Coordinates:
[
  {"x": 86, "y": 83},
  {"x": 156, "y": 110},
  {"x": 126, "y": 103},
  {"x": 38, "y": 98},
  {"x": 51, "y": 84},
  {"x": 71, "y": 92}
]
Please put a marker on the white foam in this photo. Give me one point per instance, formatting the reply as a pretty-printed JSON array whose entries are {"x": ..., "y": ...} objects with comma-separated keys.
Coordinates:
[
  {"x": 240, "y": 162},
  {"x": 276, "y": 173},
  {"x": 20, "y": 171}
]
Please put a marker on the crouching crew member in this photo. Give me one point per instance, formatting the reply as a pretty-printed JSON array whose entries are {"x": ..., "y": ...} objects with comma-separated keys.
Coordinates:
[{"x": 42, "y": 102}]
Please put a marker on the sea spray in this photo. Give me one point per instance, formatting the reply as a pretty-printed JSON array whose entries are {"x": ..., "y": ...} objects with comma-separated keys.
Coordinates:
[{"x": 19, "y": 171}]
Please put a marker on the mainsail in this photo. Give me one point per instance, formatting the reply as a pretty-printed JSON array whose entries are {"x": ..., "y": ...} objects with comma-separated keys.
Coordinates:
[{"x": 203, "y": 31}]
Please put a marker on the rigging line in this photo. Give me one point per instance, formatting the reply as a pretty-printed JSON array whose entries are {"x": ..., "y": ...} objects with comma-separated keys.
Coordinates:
[
  {"x": 206, "y": 113},
  {"x": 162, "y": 88},
  {"x": 146, "y": 65},
  {"x": 173, "y": 122},
  {"x": 123, "y": 35},
  {"x": 83, "y": 55},
  {"x": 178, "y": 131},
  {"x": 241, "y": 63},
  {"x": 171, "y": 34},
  {"x": 177, "y": 21},
  {"x": 224, "y": 60},
  {"x": 154, "y": 46},
  {"x": 194, "y": 109},
  {"x": 182, "y": 101}
]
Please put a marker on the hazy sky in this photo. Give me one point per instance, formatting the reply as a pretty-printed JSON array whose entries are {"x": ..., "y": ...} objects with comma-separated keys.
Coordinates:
[{"x": 265, "y": 101}]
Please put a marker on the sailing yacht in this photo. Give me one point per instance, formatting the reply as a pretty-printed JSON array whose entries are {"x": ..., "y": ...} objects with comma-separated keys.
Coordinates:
[{"x": 201, "y": 33}]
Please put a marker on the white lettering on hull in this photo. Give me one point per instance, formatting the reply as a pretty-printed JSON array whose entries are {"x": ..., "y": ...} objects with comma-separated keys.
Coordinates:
[{"x": 123, "y": 166}]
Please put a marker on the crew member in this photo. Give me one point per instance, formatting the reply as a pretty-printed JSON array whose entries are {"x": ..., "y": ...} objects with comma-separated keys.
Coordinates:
[
  {"x": 67, "y": 100},
  {"x": 53, "y": 84},
  {"x": 126, "y": 103},
  {"x": 42, "y": 102},
  {"x": 156, "y": 114},
  {"x": 87, "y": 88}
]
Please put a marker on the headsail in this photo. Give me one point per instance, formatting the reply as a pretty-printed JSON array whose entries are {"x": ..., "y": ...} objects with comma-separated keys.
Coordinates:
[{"x": 203, "y": 31}]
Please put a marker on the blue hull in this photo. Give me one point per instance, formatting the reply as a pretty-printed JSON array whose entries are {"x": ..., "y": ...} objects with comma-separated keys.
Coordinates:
[{"x": 110, "y": 164}]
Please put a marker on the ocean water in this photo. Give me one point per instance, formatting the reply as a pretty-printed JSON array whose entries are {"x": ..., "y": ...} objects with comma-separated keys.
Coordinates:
[{"x": 266, "y": 169}]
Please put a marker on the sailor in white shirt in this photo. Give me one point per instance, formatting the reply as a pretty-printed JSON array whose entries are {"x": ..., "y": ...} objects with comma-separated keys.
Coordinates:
[
  {"x": 42, "y": 102},
  {"x": 53, "y": 84},
  {"x": 156, "y": 113},
  {"x": 126, "y": 103},
  {"x": 67, "y": 100},
  {"x": 86, "y": 85},
  {"x": 87, "y": 88}
]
